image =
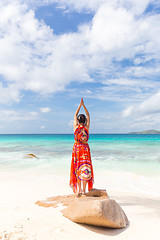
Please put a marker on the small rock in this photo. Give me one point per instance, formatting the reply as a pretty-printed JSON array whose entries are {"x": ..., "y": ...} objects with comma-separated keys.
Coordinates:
[{"x": 30, "y": 155}]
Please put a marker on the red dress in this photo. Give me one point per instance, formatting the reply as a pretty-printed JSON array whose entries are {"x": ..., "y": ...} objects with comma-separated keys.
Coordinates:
[{"x": 81, "y": 165}]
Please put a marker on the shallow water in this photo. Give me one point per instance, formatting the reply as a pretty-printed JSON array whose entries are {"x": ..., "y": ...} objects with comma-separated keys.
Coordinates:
[
  {"x": 127, "y": 155},
  {"x": 136, "y": 153}
]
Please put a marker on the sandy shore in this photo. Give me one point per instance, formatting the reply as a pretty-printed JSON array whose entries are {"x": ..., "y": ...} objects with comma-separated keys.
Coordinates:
[{"x": 22, "y": 219}]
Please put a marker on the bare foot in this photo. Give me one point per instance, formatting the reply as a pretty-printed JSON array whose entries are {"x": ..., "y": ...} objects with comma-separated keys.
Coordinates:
[{"x": 79, "y": 194}]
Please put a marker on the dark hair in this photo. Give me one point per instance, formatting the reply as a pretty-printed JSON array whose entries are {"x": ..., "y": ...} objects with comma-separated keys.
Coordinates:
[{"x": 81, "y": 118}]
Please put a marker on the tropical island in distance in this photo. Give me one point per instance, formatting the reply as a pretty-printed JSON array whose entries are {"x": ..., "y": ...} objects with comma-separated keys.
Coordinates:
[{"x": 146, "y": 132}]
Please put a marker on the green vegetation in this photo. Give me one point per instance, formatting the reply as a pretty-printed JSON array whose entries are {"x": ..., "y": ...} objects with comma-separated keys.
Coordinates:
[{"x": 146, "y": 132}]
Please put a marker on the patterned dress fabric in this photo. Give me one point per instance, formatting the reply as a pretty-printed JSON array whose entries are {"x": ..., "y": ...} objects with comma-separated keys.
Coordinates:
[{"x": 81, "y": 165}]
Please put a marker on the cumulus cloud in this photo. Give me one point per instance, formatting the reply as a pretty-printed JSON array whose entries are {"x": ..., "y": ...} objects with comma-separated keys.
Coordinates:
[
  {"x": 34, "y": 59},
  {"x": 45, "y": 109},
  {"x": 118, "y": 32}
]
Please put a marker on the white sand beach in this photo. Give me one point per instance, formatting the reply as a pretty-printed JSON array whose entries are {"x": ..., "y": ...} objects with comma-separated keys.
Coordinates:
[{"x": 21, "y": 218}]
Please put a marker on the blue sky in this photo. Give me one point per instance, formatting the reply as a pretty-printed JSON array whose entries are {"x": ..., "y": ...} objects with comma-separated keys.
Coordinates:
[{"x": 55, "y": 52}]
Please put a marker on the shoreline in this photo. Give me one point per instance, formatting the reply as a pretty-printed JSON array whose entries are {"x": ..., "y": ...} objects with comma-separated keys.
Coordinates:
[
  {"x": 119, "y": 181},
  {"x": 21, "y": 217}
]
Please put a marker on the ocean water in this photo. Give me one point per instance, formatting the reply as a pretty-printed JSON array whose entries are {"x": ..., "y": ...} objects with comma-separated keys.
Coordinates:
[{"x": 123, "y": 160}]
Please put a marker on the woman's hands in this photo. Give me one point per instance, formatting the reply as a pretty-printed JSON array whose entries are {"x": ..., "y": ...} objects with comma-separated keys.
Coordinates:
[
  {"x": 82, "y": 102},
  {"x": 87, "y": 113},
  {"x": 76, "y": 114}
]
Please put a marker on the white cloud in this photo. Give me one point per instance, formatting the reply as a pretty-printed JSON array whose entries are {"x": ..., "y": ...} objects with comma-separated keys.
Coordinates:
[
  {"x": 137, "y": 6},
  {"x": 33, "y": 58},
  {"x": 71, "y": 5},
  {"x": 151, "y": 105},
  {"x": 42, "y": 127},
  {"x": 12, "y": 115},
  {"x": 45, "y": 109},
  {"x": 147, "y": 107},
  {"x": 120, "y": 33},
  {"x": 127, "y": 112},
  {"x": 143, "y": 71},
  {"x": 9, "y": 94},
  {"x": 111, "y": 29},
  {"x": 121, "y": 81},
  {"x": 145, "y": 122}
]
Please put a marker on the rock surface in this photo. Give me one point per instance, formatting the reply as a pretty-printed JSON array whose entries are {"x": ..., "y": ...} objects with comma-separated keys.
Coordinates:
[
  {"x": 55, "y": 201},
  {"x": 97, "y": 212},
  {"x": 30, "y": 155},
  {"x": 94, "y": 208},
  {"x": 67, "y": 199},
  {"x": 97, "y": 193}
]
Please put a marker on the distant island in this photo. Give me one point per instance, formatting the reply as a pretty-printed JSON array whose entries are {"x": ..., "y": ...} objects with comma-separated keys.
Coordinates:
[{"x": 146, "y": 132}]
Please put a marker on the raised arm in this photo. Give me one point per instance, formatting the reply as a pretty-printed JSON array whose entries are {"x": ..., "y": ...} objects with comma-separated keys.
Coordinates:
[
  {"x": 76, "y": 114},
  {"x": 87, "y": 115}
]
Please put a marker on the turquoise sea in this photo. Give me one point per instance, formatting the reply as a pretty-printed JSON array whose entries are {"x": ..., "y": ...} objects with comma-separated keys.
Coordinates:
[{"x": 126, "y": 154}]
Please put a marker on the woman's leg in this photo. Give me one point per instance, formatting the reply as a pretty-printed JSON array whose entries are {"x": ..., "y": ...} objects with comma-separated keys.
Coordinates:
[
  {"x": 84, "y": 186},
  {"x": 79, "y": 187}
]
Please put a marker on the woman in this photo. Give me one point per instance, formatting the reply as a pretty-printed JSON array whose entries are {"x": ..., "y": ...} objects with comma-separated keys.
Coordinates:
[{"x": 81, "y": 165}]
